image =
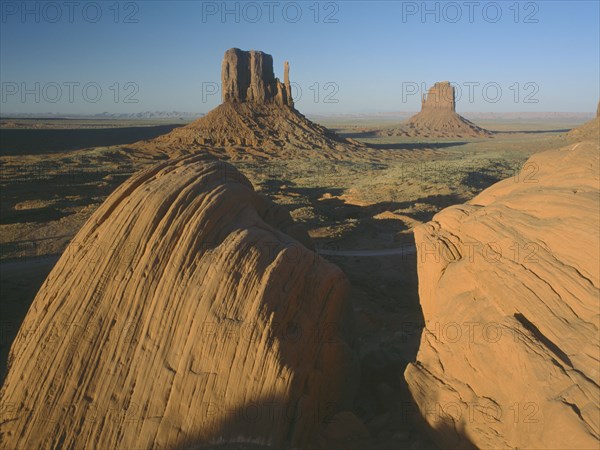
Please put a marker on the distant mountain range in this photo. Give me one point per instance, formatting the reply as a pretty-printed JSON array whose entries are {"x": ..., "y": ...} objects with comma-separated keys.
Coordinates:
[
  {"x": 470, "y": 115},
  {"x": 107, "y": 115},
  {"x": 530, "y": 115},
  {"x": 150, "y": 115},
  {"x": 184, "y": 115}
]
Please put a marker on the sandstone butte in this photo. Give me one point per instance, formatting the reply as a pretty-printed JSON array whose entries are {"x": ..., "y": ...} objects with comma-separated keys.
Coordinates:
[
  {"x": 188, "y": 311},
  {"x": 438, "y": 117},
  {"x": 247, "y": 76},
  {"x": 257, "y": 119},
  {"x": 509, "y": 287}
]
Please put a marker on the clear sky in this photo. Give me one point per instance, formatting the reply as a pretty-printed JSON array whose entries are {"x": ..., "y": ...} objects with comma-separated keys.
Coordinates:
[{"x": 345, "y": 56}]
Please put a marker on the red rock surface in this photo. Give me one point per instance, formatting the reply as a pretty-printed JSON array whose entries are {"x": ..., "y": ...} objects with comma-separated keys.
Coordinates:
[{"x": 509, "y": 286}]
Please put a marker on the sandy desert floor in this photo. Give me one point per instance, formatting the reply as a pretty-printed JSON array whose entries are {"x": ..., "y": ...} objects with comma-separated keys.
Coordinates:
[{"x": 360, "y": 214}]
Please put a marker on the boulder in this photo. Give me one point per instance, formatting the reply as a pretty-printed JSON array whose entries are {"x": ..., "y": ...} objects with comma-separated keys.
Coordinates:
[
  {"x": 188, "y": 311},
  {"x": 509, "y": 287}
]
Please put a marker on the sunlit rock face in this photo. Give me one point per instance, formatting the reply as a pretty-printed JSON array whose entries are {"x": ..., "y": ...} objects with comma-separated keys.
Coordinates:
[
  {"x": 439, "y": 98},
  {"x": 509, "y": 286},
  {"x": 189, "y": 310}
]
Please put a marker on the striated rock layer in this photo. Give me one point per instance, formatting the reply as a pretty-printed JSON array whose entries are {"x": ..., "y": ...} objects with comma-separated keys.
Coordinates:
[
  {"x": 185, "y": 312},
  {"x": 509, "y": 286}
]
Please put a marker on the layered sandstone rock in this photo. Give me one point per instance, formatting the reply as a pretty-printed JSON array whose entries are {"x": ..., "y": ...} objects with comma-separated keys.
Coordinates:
[
  {"x": 187, "y": 311},
  {"x": 437, "y": 118},
  {"x": 509, "y": 286},
  {"x": 247, "y": 76}
]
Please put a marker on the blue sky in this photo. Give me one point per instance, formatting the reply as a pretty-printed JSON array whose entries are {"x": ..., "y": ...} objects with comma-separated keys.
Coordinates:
[{"x": 345, "y": 56}]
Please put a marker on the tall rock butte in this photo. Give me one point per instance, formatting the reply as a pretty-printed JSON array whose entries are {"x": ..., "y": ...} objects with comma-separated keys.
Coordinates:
[
  {"x": 439, "y": 98},
  {"x": 187, "y": 312},
  {"x": 257, "y": 119},
  {"x": 247, "y": 76},
  {"x": 509, "y": 284},
  {"x": 438, "y": 117}
]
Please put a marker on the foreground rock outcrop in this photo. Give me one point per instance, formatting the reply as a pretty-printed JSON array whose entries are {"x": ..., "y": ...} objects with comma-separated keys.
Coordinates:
[
  {"x": 438, "y": 118},
  {"x": 188, "y": 311},
  {"x": 509, "y": 286},
  {"x": 257, "y": 120}
]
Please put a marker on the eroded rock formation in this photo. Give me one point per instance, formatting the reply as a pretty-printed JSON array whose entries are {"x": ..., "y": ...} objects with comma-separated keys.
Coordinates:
[
  {"x": 437, "y": 118},
  {"x": 439, "y": 98},
  {"x": 187, "y": 311},
  {"x": 247, "y": 76},
  {"x": 250, "y": 130},
  {"x": 257, "y": 119},
  {"x": 509, "y": 286}
]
